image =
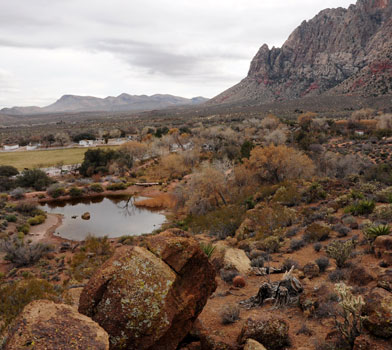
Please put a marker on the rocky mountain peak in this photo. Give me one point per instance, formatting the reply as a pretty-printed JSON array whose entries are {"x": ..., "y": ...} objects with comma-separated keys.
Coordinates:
[{"x": 320, "y": 54}]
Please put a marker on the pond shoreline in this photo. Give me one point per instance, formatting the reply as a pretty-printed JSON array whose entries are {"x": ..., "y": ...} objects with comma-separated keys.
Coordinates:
[{"x": 109, "y": 215}]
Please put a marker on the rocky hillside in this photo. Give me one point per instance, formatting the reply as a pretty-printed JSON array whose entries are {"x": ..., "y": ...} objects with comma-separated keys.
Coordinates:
[
  {"x": 339, "y": 51},
  {"x": 123, "y": 102}
]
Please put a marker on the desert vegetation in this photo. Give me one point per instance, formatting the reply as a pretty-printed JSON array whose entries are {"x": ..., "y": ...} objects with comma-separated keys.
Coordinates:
[{"x": 263, "y": 195}]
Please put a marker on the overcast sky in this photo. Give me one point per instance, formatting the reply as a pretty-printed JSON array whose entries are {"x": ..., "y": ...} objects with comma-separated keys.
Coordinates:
[{"x": 188, "y": 48}]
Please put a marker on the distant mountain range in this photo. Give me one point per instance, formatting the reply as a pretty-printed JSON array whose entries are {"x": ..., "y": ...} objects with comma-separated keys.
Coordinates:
[
  {"x": 338, "y": 52},
  {"x": 121, "y": 103}
]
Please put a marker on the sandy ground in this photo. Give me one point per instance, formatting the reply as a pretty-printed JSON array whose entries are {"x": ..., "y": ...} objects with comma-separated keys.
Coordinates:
[{"x": 45, "y": 231}]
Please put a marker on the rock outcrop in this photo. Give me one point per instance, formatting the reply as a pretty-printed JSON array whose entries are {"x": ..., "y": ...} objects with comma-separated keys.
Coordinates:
[
  {"x": 378, "y": 312},
  {"x": 44, "y": 325},
  {"x": 270, "y": 332},
  {"x": 339, "y": 51},
  {"x": 149, "y": 298}
]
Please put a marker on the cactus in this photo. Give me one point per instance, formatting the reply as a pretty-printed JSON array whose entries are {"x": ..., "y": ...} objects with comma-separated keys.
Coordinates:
[{"x": 350, "y": 310}]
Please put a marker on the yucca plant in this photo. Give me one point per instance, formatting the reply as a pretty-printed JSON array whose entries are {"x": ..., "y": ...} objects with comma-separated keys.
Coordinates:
[
  {"x": 208, "y": 249},
  {"x": 373, "y": 232},
  {"x": 361, "y": 207}
]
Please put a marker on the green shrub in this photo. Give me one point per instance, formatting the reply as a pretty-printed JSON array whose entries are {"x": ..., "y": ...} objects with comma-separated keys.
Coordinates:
[
  {"x": 316, "y": 233},
  {"x": 34, "y": 178},
  {"x": 340, "y": 251},
  {"x": 314, "y": 192},
  {"x": 96, "y": 188},
  {"x": 362, "y": 207},
  {"x": 207, "y": 248},
  {"x": 11, "y": 218},
  {"x": 373, "y": 232},
  {"x": 56, "y": 190},
  {"x": 117, "y": 186},
  {"x": 220, "y": 223},
  {"x": 288, "y": 195},
  {"x": 27, "y": 208},
  {"x": 270, "y": 244},
  {"x": 36, "y": 220},
  {"x": 25, "y": 228},
  {"x": 8, "y": 171},
  {"x": 75, "y": 192},
  {"x": 16, "y": 295}
]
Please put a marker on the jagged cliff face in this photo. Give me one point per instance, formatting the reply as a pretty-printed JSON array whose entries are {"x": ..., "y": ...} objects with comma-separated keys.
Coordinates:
[{"x": 340, "y": 51}]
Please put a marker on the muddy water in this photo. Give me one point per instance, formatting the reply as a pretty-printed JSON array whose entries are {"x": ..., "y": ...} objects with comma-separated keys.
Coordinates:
[{"x": 110, "y": 216}]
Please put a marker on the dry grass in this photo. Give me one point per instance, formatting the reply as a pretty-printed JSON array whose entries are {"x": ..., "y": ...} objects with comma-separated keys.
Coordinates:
[
  {"x": 161, "y": 201},
  {"x": 43, "y": 158}
]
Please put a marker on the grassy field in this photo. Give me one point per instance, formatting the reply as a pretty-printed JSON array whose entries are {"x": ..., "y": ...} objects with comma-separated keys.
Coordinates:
[{"x": 43, "y": 158}]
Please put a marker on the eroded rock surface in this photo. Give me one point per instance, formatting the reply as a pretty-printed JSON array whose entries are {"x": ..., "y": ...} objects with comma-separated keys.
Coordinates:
[
  {"x": 44, "y": 325},
  {"x": 339, "y": 51},
  {"x": 148, "y": 298}
]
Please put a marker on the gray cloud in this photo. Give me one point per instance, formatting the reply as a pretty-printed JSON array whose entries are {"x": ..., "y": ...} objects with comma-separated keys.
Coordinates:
[{"x": 177, "y": 46}]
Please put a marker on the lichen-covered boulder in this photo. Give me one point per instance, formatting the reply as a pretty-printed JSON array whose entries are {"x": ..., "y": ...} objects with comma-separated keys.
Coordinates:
[
  {"x": 44, "y": 325},
  {"x": 148, "y": 298},
  {"x": 378, "y": 311},
  {"x": 271, "y": 332}
]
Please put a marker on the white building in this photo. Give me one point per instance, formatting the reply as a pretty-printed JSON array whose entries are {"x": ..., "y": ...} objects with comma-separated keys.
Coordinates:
[
  {"x": 10, "y": 147},
  {"x": 86, "y": 143}
]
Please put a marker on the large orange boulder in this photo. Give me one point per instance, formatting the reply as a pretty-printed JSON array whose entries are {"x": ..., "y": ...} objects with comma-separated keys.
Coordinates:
[
  {"x": 44, "y": 325},
  {"x": 149, "y": 298}
]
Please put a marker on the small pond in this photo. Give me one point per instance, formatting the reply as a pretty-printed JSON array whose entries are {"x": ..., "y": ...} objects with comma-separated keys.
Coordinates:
[{"x": 113, "y": 216}]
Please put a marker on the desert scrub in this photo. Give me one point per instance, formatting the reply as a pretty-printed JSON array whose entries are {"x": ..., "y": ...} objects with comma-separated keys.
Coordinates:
[
  {"x": 94, "y": 252},
  {"x": 96, "y": 188},
  {"x": 23, "y": 254},
  {"x": 322, "y": 263},
  {"x": 362, "y": 207},
  {"x": 11, "y": 218},
  {"x": 316, "y": 232},
  {"x": 126, "y": 240},
  {"x": 383, "y": 212},
  {"x": 55, "y": 191},
  {"x": 270, "y": 244},
  {"x": 36, "y": 220},
  {"x": 220, "y": 223},
  {"x": 314, "y": 193},
  {"x": 288, "y": 195},
  {"x": 117, "y": 186},
  {"x": 230, "y": 314},
  {"x": 16, "y": 295},
  {"x": 75, "y": 192},
  {"x": 384, "y": 195},
  {"x": 340, "y": 251}
]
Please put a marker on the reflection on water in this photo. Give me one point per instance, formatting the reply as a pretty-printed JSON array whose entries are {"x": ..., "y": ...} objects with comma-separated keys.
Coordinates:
[{"x": 113, "y": 216}]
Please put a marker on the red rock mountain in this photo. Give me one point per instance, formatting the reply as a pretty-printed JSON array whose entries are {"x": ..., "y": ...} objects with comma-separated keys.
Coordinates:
[{"x": 339, "y": 51}]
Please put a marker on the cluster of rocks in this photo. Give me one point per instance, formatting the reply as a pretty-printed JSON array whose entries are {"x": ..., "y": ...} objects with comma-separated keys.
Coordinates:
[{"x": 141, "y": 298}]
